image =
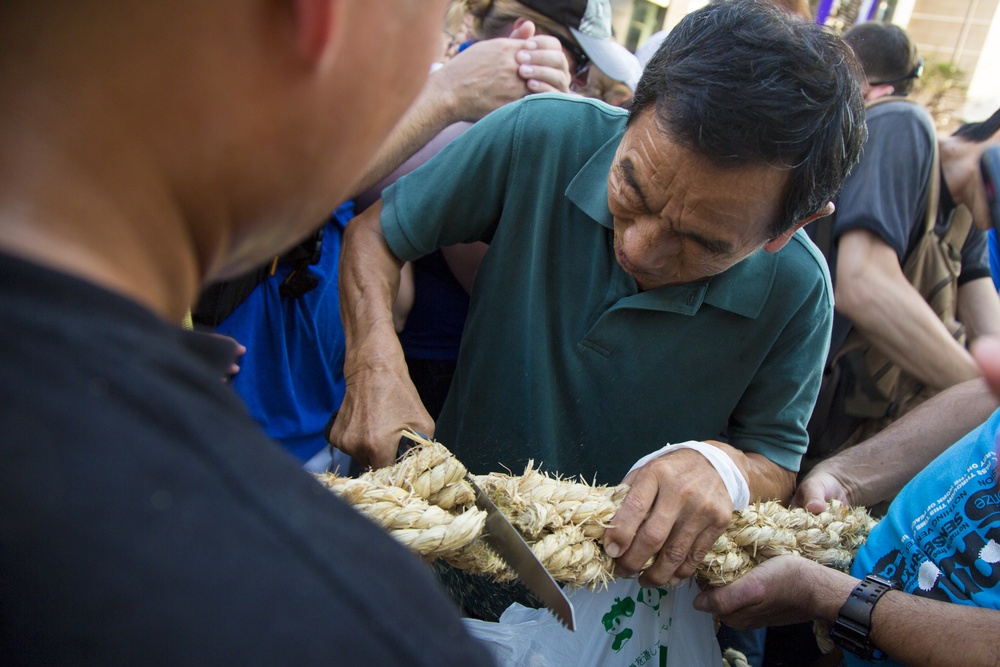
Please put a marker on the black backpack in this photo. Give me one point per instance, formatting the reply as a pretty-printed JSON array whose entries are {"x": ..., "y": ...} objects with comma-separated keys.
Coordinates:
[{"x": 218, "y": 300}]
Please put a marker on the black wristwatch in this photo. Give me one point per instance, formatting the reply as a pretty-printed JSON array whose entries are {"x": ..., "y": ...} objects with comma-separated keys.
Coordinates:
[{"x": 854, "y": 623}]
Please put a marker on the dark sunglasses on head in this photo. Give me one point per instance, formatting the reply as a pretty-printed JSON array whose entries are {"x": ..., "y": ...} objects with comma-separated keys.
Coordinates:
[
  {"x": 912, "y": 74},
  {"x": 579, "y": 55}
]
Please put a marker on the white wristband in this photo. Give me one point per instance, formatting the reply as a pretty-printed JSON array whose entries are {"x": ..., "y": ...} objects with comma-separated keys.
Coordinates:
[{"x": 731, "y": 476}]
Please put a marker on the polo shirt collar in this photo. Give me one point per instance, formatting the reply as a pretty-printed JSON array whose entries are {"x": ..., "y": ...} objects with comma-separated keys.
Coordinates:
[
  {"x": 742, "y": 289},
  {"x": 589, "y": 188}
]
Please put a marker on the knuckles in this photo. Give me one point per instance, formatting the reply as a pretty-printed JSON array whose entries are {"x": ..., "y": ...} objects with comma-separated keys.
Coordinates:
[{"x": 674, "y": 554}]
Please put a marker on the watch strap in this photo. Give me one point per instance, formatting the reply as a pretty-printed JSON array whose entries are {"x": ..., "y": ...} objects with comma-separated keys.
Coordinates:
[{"x": 852, "y": 630}]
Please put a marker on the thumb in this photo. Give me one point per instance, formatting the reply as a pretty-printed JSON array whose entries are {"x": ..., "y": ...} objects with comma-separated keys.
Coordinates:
[
  {"x": 808, "y": 495},
  {"x": 815, "y": 491},
  {"x": 524, "y": 31},
  {"x": 746, "y": 591},
  {"x": 815, "y": 505}
]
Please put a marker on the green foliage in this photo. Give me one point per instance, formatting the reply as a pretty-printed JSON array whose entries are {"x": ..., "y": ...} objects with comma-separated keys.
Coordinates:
[{"x": 942, "y": 90}]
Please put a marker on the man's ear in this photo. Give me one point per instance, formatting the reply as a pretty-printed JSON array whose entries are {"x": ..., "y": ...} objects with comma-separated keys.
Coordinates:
[
  {"x": 875, "y": 92},
  {"x": 313, "y": 27},
  {"x": 777, "y": 243}
]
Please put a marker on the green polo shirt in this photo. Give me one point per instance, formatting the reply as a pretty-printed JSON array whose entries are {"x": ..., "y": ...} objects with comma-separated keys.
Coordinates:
[{"x": 563, "y": 360}]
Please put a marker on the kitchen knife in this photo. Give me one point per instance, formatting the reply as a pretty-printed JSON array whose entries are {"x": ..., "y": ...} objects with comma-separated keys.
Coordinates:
[{"x": 504, "y": 539}]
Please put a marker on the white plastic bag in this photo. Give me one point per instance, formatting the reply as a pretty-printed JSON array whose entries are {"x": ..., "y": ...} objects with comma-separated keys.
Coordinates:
[{"x": 622, "y": 626}]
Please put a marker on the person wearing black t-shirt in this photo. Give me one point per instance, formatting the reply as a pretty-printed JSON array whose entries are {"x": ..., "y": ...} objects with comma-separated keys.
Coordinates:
[{"x": 148, "y": 149}]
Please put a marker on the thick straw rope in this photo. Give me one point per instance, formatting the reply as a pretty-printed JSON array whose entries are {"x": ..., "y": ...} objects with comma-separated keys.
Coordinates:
[{"x": 424, "y": 502}]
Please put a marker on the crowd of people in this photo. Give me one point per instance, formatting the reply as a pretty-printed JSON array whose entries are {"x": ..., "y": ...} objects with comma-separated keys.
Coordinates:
[{"x": 502, "y": 229}]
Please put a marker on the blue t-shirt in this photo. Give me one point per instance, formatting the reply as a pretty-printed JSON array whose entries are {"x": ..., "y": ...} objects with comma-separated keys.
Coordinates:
[
  {"x": 292, "y": 375},
  {"x": 941, "y": 536},
  {"x": 994, "y": 248}
]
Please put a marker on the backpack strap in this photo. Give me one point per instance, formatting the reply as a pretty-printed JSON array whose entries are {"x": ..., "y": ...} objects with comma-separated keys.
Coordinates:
[
  {"x": 822, "y": 229},
  {"x": 959, "y": 226},
  {"x": 933, "y": 189}
]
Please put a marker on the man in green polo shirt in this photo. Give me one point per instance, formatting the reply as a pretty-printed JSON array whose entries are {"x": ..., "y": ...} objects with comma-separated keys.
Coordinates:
[{"x": 632, "y": 295}]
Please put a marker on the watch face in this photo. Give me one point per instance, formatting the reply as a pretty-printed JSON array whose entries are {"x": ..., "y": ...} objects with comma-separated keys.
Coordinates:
[{"x": 888, "y": 583}]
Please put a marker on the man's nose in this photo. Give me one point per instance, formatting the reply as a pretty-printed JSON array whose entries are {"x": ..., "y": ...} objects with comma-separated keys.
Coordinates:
[{"x": 647, "y": 245}]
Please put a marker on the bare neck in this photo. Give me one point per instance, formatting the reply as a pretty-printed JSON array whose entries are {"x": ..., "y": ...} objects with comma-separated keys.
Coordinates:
[
  {"x": 960, "y": 166},
  {"x": 97, "y": 212}
]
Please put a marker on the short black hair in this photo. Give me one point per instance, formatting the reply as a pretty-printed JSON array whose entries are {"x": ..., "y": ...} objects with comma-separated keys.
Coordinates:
[
  {"x": 886, "y": 53},
  {"x": 743, "y": 82},
  {"x": 979, "y": 132}
]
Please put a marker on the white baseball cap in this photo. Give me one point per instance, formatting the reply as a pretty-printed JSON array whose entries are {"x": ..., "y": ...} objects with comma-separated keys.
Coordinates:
[{"x": 590, "y": 23}]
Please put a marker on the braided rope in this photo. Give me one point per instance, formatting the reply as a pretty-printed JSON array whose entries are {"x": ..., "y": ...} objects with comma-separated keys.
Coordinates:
[
  {"x": 733, "y": 658},
  {"x": 425, "y": 503}
]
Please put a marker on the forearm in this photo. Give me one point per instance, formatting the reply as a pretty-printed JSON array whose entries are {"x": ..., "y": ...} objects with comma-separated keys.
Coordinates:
[
  {"x": 380, "y": 400},
  {"x": 897, "y": 321},
  {"x": 405, "y": 295},
  {"x": 979, "y": 308},
  {"x": 765, "y": 478},
  {"x": 431, "y": 112},
  {"x": 879, "y": 467},
  {"x": 369, "y": 281},
  {"x": 792, "y": 589},
  {"x": 910, "y": 629},
  {"x": 484, "y": 77},
  {"x": 904, "y": 328}
]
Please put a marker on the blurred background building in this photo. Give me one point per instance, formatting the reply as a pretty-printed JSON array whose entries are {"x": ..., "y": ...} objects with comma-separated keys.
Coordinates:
[{"x": 959, "y": 40}]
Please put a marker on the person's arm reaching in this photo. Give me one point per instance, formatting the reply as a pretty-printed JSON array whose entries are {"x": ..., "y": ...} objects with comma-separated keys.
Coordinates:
[
  {"x": 878, "y": 468},
  {"x": 979, "y": 308},
  {"x": 484, "y": 77},
  {"x": 792, "y": 589},
  {"x": 380, "y": 399},
  {"x": 875, "y": 296},
  {"x": 909, "y": 628}
]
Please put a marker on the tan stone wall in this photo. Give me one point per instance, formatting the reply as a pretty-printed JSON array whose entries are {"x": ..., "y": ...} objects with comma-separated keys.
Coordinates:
[{"x": 952, "y": 31}]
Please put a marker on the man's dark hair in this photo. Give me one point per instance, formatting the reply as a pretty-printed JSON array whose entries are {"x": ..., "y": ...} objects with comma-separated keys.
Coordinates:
[
  {"x": 886, "y": 53},
  {"x": 743, "y": 82},
  {"x": 980, "y": 132}
]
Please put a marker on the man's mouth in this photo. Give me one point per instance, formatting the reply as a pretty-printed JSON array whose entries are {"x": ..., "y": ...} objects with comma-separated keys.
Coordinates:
[{"x": 623, "y": 260}]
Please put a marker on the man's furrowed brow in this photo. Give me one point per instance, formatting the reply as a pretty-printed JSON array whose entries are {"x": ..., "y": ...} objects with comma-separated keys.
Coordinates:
[{"x": 627, "y": 171}]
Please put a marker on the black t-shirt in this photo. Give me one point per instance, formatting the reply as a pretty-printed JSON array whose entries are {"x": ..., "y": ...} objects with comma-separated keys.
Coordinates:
[
  {"x": 146, "y": 518},
  {"x": 886, "y": 192}
]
